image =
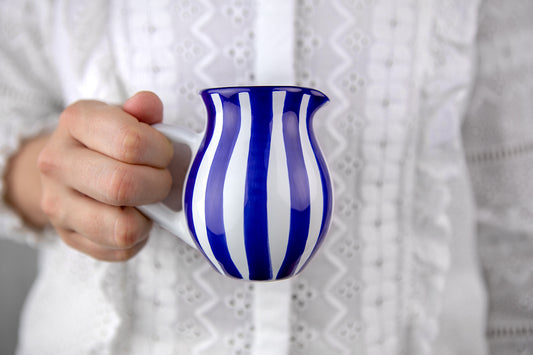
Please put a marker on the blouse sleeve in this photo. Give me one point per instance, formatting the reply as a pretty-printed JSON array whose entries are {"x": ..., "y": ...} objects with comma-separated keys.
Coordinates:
[
  {"x": 498, "y": 135},
  {"x": 29, "y": 93}
]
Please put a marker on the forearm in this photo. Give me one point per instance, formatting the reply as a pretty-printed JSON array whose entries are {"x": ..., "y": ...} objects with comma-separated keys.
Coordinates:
[{"x": 23, "y": 184}]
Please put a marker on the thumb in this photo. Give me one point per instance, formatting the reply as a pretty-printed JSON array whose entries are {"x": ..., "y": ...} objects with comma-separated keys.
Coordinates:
[{"x": 145, "y": 106}]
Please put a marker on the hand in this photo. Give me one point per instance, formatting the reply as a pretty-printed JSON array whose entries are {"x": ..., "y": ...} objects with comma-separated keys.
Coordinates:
[{"x": 99, "y": 163}]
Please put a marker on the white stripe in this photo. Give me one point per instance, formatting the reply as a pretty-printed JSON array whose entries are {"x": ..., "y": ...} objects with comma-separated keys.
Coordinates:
[
  {"x": 278, "y": 188},
  {"x": 315, "y": 184},
  {"x": 235, "y": 188},
  {"x": 200, "y": 185}
]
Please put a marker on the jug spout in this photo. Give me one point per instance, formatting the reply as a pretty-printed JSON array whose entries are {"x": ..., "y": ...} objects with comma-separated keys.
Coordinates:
[
  {"x": 296, "y": 96},
  {"x": 316, "y": 101},
  {"x": 319, "y": 97}
]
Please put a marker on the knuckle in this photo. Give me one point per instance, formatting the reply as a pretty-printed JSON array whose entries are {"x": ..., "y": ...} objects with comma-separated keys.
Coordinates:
[
  {"x": 47, "y": 162},
  {"x": 49, "y": 205},
  {"x": 126, "y": 232},
  {"x": 130, "y": 144},
  {"x": 122, "y": 186},
  {"x": 79, "y": 110},
  {"x": 72, "y": 112}
]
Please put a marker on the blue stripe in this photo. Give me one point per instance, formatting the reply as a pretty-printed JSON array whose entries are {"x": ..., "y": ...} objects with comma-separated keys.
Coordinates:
[
  {"x": 299, "y": 186},
  {"x": 314, "y": 104},
  {"x": 255, "y": 205},
  {"x": 193, "y": 171},
  {"x": 215, "y": 186}
]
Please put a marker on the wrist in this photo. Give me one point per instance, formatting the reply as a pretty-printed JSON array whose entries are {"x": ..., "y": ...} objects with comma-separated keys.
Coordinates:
[{"x": 23, "y": 183}]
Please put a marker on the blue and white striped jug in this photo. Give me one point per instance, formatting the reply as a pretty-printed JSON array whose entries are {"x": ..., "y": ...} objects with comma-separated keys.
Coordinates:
[{"x": 258, "y": 198}]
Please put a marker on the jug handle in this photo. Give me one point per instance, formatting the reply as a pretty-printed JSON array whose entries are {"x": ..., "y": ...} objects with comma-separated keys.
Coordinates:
[{"x": 173, "y": 221}]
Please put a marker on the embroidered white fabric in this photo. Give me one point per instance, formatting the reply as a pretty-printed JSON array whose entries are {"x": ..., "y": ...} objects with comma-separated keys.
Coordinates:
[{"x": 400, "y": 75}]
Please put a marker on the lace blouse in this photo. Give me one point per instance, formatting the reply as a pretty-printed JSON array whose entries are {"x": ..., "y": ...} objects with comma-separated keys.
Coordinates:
[{"x": 398, "y": 272}]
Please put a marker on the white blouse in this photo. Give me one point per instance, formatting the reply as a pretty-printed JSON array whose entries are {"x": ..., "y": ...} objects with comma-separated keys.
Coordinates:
[{"x": 428, "y": 137}]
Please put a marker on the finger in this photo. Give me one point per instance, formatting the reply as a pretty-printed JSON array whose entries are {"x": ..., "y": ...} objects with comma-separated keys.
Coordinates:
[
  {"x": 107, "y": 180},
  {"x": 145, "y": 106},
  {"x": 98, "y": 227},
  {"x": 96, "y": 251},
  {"x": 111, "y": 131},
  {"x": 108, "y": 226}
]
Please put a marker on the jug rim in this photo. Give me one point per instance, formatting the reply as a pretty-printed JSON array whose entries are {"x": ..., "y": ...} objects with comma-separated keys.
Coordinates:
[{"x": 232, "y": 90}]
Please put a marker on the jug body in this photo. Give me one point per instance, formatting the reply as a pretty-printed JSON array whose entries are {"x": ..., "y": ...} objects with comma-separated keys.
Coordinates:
[{"x": 258, "y": 195}]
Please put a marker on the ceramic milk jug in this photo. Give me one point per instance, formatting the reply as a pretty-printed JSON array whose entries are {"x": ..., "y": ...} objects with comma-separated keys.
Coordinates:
[{"x": 258, "y": 198}]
